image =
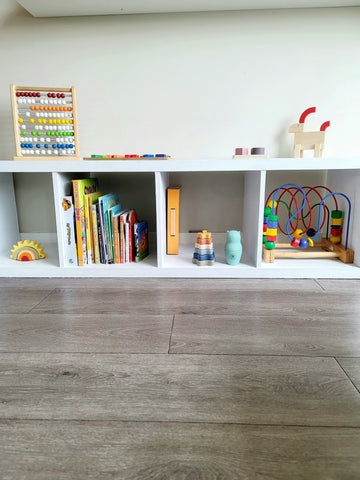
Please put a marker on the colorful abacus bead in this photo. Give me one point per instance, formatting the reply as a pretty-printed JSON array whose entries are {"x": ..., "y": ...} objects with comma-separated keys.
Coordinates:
[{"x": 336, "y": 229}]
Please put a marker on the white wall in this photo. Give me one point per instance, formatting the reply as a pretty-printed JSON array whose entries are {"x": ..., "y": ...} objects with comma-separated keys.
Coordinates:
[{"x": 191, "y": 85}]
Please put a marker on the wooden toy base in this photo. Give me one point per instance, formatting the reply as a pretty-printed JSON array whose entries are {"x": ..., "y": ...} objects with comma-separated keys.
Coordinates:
[
  {"x": 329, "y": 250},
  {"x": 46, "y": 158}
]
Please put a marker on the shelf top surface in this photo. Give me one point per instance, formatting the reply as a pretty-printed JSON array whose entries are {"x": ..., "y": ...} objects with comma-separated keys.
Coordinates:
[
  {"x": 179, "y": 165},
  {"x": 68, "y": 8}
]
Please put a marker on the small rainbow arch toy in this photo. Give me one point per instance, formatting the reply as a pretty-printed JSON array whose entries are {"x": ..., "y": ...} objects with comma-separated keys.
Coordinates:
[{"x": 27, "y": 250}]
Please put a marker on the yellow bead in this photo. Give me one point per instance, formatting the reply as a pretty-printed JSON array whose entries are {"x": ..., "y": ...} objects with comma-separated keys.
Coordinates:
[
  {"x": 21, "y": 120},
  {"x": 32, "y": 120},
  {"x": 298, "y": 233},
  {"x": 336, "y": 221},
  {"x": 71, "y": 122},
  {"x": 66, "y": 121},
  {"x": 272, "y": 232},
  {"x": 270, "y": 204},
  {"x": 335, "y": 239}
]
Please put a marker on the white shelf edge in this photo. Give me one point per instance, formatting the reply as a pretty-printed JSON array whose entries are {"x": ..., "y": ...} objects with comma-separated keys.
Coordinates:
[{"x": 180, "y": 165}]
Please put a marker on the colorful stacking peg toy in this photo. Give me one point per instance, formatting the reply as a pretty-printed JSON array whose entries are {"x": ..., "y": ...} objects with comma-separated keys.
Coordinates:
[{"x": 204, "y": 249}]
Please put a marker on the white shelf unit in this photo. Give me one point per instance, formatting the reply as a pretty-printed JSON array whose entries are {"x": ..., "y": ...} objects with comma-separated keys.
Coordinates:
[{"x": 231, "y": 191}]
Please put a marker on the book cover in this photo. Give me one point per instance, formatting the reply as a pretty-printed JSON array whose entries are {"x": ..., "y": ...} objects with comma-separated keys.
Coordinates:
[
  {"x": 68, "y": 229},
  {"x": 141, "y": 240},
  {"x": 89, "y": 199},
  {"x": 105, "y": 202},
  {"x": 81, "y": 188}
]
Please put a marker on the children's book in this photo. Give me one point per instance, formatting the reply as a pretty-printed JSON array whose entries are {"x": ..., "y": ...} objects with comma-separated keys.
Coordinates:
[
  {"x": 131, "y": 219},
  {"x": 126, "y": 241},
  {"x": 116, "y": 209},
  {"x": 122, "y": 221},
  {"x": 81, "y": 188},
  {"x": 95, "y": 236},
  {"x": 106, "y": 202},
  {"x": 141, "y": 240},
  {"x": 90, "y": 198},
  {"x": 68, "y": 229}
]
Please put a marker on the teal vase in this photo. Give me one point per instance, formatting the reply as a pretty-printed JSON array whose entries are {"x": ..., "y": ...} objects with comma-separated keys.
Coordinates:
[{"x": 233, "y": 247}]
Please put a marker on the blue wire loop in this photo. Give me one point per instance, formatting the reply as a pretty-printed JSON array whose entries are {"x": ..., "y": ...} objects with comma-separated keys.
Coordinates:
[
  {"x": 348, "y": 216},
  {"x": 302, "y": 206}
]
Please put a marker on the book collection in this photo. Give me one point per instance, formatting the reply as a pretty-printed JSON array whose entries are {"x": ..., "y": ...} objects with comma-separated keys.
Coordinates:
[{"x": 98, "y": 229}]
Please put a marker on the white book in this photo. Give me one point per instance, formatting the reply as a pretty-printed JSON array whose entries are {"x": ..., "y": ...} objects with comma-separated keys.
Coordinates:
[{"x": 68, "y": 229}]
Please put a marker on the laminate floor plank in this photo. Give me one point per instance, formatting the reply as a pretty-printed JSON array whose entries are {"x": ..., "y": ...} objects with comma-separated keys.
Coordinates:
[
  {"x": 352, "y": 368},
  {"x": 323, "y": 335},
  {"x": 211, "y": 301},
  {"x": 170, "y": 451},
  {"x": 340, "y": 285},
  {"x": 181, "y": 388},
  {"x": 21, "y": 299},
  {"x": 161, "y": 284},
  {"x": 111, "y": 333}
]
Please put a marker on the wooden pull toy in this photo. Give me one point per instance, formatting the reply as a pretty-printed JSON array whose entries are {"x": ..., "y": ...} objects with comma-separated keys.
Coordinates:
[{"x": 308, "y": 140}]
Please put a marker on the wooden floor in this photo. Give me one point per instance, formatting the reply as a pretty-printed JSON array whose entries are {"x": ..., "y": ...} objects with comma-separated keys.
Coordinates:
[{"x": 167, "y": 379}]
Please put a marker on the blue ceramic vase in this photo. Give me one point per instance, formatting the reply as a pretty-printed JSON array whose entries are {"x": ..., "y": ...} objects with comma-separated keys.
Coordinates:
[{"x": 233, "y": 247}]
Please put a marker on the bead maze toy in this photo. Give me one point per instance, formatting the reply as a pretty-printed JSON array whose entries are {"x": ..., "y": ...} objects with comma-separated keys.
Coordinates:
[
  {"x": 204, "y": 249},
  {"x": 45, "y": 123},
  {"x": 303, "y": 238},
  {"x": 308, "y": 140}
]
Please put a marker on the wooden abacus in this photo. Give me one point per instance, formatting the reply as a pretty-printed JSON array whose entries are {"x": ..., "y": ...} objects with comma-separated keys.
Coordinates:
[{"x": 45, "y": 123}]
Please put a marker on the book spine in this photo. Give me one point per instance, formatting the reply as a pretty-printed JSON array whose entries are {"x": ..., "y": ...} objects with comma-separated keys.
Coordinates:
[
  {"x": 122, "y": 240},
  {"x": 68, "y": 217},
  {"x": 95, "y": 235},
  {"x": 108, "y": 237},
  {"x": 103, "y": 233},
  {"x": 115, "y": 222},
  {"x": 88, "y": 230},
  {"x": 126, "y": 243},
  {"x": 78, "y": 224},
  {"x": 101, "y": 248}
]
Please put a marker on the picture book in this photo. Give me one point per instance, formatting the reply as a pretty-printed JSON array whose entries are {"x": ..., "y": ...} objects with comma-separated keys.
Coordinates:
[
  {"x": 122, "y": 221},
  {"x": 141, "y": 240},
  {"x": 131, "y": 219},
  {"x": 81, "y": 188},
  {"x": 116, "y": 209},
  {"x": 90, "y": 198},
  {"x": 68, "y": 230},
  {"x": 105, "y": 202},
  {"x": 94, "y": 225}
]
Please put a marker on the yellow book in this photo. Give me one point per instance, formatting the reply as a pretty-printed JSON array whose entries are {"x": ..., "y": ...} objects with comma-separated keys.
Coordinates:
[
  {"x": 90, "y": 199},
  {"x": 172, "y": 231}
]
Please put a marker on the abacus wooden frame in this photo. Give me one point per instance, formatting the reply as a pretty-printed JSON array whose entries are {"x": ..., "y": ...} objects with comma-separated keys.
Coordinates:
[{"x": 19, "y": 156}]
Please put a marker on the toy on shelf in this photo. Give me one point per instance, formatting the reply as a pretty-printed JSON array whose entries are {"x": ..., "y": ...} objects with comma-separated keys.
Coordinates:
[
  {"x": 233, "y": 247},
  {"x": 146, "y": 156},
  {"x": 27, "y": 250},
  {"x": 204, "y": 249},
  {"x": 308, "y": 140},
  {"x": 45, "y": 123},
  {"x": 256, "y": 152},
  {"x": 304, "y": 237}
]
